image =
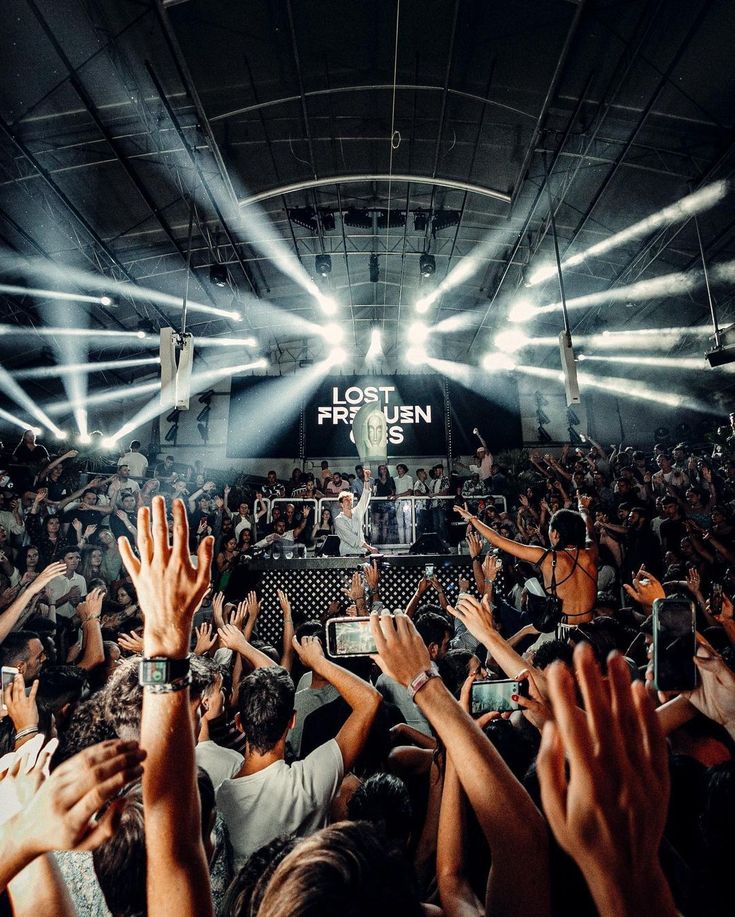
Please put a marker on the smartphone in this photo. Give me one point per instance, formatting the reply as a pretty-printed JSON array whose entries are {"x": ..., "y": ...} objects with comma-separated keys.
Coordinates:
[
  {"x": 715, "y": 600},
  {"x": 350, "y": 637},
  {"x": 8, "y": 674},
  {"x": 498, "y": 562},
  {"x": 487, "y": 695},
  {"x": 674, "y": 645},
  {"x": 429, "y": 571}
]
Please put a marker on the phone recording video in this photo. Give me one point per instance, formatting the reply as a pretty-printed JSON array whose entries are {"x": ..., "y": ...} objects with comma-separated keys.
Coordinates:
[
  {"x": 8, "y": 674},
  {"x": 674, "y": 645},
  {"x": 350, "y": 637},
  {"x": 429, "y": 571},
  {"x": 496, "y": 695}
]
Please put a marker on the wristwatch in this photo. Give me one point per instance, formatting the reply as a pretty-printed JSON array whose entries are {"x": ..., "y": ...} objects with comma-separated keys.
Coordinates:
[
  {"x": 164, "y": 676},
  {"x": 418, "y": 681}
]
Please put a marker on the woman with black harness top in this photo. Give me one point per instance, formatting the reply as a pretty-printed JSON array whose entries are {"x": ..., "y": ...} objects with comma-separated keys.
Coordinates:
[{"x": 569, "y": 567}]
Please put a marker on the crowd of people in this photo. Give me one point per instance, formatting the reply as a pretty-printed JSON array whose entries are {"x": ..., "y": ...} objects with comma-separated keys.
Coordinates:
[{"x": 158, "y": 756}]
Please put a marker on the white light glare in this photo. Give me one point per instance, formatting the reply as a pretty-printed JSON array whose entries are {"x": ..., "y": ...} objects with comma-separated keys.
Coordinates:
[
  {"x": 416, "y": 355},
  {"x": 522, "y": 310},
  {"x": 333, "y": 332},
  {"x": 69, "y": 369},
  {"x": 85, "y": 439},
  {"x": 336, "y": 356},
  {"x": 62, "y": 434},
  {"x": 376, "y": 344},
  {"x": 327, "y": 304},
  {"x": 109, "y": 442},
  {"x": 418, "y": 332},
  {"x": 105, "y": 301},
  {"x": 422, "y": 305},
  {"x": 511, "y": 339},
  {"x": 498, "y": 362},
  {"x": 224, "y": 342},
  {"x": 674, "y": 213}
]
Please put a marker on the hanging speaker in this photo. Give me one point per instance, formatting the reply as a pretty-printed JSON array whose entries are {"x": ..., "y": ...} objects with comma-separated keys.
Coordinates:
[{"x": 177, "y": 359}]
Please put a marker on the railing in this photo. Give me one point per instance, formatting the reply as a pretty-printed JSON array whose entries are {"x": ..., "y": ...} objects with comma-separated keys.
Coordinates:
[{"x": 395, "y": 521}]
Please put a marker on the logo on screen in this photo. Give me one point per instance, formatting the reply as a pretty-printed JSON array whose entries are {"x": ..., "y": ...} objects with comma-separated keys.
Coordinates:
[{"x": 345, "y": 404}]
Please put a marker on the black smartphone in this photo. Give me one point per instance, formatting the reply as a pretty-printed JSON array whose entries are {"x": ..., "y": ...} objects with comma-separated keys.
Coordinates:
[
  {"x": 674, "y": 645},
  {"x": 487, "y": 695},
  {"x": 715, "y": 599},
  {"x": 350, "y": 637}
]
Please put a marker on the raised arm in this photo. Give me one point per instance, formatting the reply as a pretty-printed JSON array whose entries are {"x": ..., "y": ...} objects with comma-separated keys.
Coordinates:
[
  {"x": 169, "y": 591},
  {"x": 507, "y": 816},
  {"x": 9, "y": 618},
  {"x": 358, "y": 694},
  {"x": 530, "y": 553}
]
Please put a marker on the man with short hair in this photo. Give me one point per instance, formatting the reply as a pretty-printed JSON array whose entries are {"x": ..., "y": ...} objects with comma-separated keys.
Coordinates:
[
  {"x": 439, "y": 487},
  {"x": 349, "y": 522},
  {"x": 336, "y": 485},
  {"x": 120, "y": 483},
  {"x": 23, "y": 650},
  {"x": 268, "y": 797},
  {"x": 66, "y": 591},
  {"x": 124, "y": 519},
  {"x": 135, "y": 460}
]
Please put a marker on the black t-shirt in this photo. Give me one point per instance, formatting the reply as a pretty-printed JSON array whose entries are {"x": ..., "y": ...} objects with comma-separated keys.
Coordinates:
[
  {"x": 118, "y": 527},
  {"x": 386, "y": 489}
]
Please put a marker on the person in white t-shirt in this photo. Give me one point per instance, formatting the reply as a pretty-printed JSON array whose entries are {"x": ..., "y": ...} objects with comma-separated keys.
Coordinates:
[
  {"x": 220, "y": 763},
  {"x": 404, "y": 488},
  {"x": 121, "y": 483},
  {"x": 65, "y": 592},
  {"x": 135, "y": 460},
  {"x": 268, "y": 797}
]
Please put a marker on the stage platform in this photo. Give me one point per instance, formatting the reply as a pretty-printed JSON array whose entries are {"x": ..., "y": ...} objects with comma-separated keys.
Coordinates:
[{"x": 312, "y": 583}]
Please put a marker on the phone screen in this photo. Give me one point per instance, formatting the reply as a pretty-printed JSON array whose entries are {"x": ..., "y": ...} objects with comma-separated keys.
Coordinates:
[
  {"x": 8, "y": 674},
  {"x": 715, "y": 602},
  {"x": 494, "y": 695},
  {"x": 429, "y": 571},
  {"x": 350, "y": 637},
  {"x": 674, "y": 645}
]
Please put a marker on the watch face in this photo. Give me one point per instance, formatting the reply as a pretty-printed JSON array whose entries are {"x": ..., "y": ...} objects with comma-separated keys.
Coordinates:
[{"x": 154, "y": 671}]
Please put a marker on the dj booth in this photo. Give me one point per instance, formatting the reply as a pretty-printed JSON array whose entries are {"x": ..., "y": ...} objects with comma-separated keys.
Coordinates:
[{"x": 312, "y": 583}]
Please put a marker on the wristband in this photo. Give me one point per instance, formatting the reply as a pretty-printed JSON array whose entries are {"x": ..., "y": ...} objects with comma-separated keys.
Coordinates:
[
  {"x": 418, "y": 681},
  {"x": 28, "y": 731}
]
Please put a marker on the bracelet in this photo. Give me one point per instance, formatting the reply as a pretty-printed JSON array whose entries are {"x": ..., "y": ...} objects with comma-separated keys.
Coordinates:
[
  {"x": 28, "y": 731},
  {"x": 91, "y": 618},
  {"x": 170, "y": 687}
]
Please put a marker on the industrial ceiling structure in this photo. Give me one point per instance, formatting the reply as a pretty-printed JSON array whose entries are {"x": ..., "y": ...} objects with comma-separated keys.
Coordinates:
[{"x": 256, "y": 156}]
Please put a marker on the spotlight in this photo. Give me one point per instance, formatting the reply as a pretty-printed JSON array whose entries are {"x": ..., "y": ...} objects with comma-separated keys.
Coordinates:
[
  {"x": 511, "y": 340},
  {"x": 374, "y": 268},
  {"x": 724, "y": 350},
  {"x": 416, "y": 355},
  {"x": 418, "y": 332},
  {"x": 420, "y": 219},
  {"x": 333, "y": 332},
  {"x": 218, "y": 275},
  {"x": 109, "y": 442},
  {"x": 336, "y": 356},
  {"x": 427, "y": 264},
  {"x": 327, "y": 304},
  {"x": 108, "y": 302},
  {"x": 522, "y": 310},
  {"x": 84, "y": 439},
  {"x": 422, "y": 305},
  {"x": 376, "y": 345},
  {"x": 37, "y": 430},
  {"x": 323, "y": 264},
  {"x": 62, "y": 434},
  {"x": 498, "y": 361},
  {"x": 140, "y": 334}
]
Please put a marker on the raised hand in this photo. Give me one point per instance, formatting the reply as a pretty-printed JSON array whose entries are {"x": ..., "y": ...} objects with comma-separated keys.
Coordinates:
[
  {"x": 89, "y": 531},
  {"x": 693, "y": 581},
  {"x": 45, "y": 577},
  {"x": 59, "y": 813},
  {"x": 356, "y": 589},
  {"x": 91, "y": 607},
  {"x": 402, "y": 653},
  {"x": 523, "y": 500},
  {"x": 474, "y": 543},
  {"x": 476, "y": 616},
  {"x": 645, "y": 589},
  {"x": 169, "y": 587},
  {"x": 131, "y": 642},
  {"x": 490, "y": 568},
  {"x": 609, "y": 813},
  {"x": 372, "y": 575},
  {"x": 284, "y": 603},
  {"x": 309, "y": 651},
  {"x": 22, "y": 710},
  {"x": 714, "y": 696},
  {"x": 233, "y": 638},
  {"x": 463, "y": 512},
  {"x": 41, "y": 494},
  {"x": 253, "y": 606},
  {"x": 205, "y": 638},
  {"x": 240, "y": 615}
]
